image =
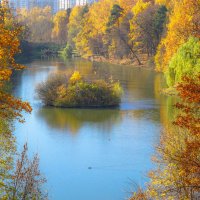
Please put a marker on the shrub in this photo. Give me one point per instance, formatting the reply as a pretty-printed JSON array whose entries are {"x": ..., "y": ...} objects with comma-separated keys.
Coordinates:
[
  {"x": 75, "y": 77},
  {"x": 47, "y": 90},
  {"x": 67, "y": 52},
  {"x": 74, "y": 91}
]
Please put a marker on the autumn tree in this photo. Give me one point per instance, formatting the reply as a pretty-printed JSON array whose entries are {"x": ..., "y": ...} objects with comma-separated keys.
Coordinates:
[
  {"x": 10, "y": 107},
  {"x": 26, "y": 180},
  {"x": 168, "y": 3},
  {"x": 90, "y": 39},
  {"x": 39, "y": 22},
  {"x": 184, "y": 21},
  {"x": 146, "y": 26},
  {"x": 117, "y": 29},
  {"x": 60, "y": 21},
  {"x": 75, "y": 23},
  {"x": 127, "y": 5},
  {"x": 116, "y": 35}
]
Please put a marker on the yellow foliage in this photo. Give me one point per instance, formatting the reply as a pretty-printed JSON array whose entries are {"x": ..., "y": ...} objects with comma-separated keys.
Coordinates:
[
  {"x": 75, "y": 26},
  {"x": 135, "y": 33},
  {"x": 39, "y": 22},
  {"x": 98, "y": 16},
  {"x": 94, "y": 25},
  {"x": 183, "y": 24},
  {"x": 127, "y": 5},
  {"x": 76, "y": 76},
  {"x": 139, "y": 7},
  {"x": 9, "y": 47},
  {"x": 175, "y": 174},
  {"x": 75, "y": 18},
  {"x": 167, "y": 3},
  {"x": 59, "y": 32}
]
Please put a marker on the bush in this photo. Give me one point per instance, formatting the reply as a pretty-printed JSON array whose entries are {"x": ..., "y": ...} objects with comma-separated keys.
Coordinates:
[
  {"x": 74, "y": 91},
  {"x": 47, "y": 90},
  {"x": 67, "y": 52}
]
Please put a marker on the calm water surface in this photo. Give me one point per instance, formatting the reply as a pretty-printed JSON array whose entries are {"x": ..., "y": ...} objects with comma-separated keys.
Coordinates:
[{"x": 97, "y": 154}]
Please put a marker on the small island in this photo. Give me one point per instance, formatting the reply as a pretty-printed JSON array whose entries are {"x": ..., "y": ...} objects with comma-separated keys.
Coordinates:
[{"x": 72, "y": 90}]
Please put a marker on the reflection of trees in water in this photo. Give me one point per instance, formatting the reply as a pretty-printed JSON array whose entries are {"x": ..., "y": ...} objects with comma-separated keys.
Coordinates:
[
  {"x": 74, "y": 119},
  {"x": 151, "y": 115},
  {"x": 148, "y": 114},
  {"x": 85, "y": 67},
  {"x": 167, "y": 111},
  {"x": 101, "y": 119}
]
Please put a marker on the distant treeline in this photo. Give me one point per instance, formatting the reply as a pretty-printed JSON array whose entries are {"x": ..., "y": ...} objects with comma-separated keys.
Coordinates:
[{"x": 117, "y": 29}]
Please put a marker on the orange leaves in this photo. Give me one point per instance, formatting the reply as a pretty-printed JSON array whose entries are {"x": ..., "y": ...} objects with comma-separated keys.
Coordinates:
[
  {"x": 10, "y": 107},
  {"x": 189, "y": 91},
  {"x": 178, "y": 173},
  {"x": 5, "y": 74}
]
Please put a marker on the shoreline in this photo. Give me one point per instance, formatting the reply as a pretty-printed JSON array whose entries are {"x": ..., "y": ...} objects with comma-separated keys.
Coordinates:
[{"x": 147, "y": 62}]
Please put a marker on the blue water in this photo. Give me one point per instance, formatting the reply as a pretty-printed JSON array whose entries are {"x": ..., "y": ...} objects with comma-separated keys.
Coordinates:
[{"x": 97, "y": 154}]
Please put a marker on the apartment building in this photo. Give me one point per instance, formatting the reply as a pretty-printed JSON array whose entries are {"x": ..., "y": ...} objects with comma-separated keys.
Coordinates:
[{"x": 54, "y": 4}]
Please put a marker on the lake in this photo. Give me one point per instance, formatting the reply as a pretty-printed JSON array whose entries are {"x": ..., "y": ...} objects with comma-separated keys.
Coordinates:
[{"x": 94, "y": 154}]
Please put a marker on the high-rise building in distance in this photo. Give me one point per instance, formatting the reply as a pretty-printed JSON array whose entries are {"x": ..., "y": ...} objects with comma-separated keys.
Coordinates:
[
  {"x": 54, "y": 4},
  {"x": 65, "y": 4},
  {"x": 28, "y": 4}
]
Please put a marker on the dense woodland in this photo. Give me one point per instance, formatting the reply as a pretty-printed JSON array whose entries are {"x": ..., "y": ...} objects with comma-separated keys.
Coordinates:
[
  {"x": 138, "y": 32},
  {"x": 164, "y": 32}
]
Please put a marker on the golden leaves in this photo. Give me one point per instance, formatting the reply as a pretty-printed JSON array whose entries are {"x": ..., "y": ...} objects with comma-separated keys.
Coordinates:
[
  {"x": 76, "y": 76},
  {"x": 183, "y": 22},
  {"x": 10, "y": 107}
]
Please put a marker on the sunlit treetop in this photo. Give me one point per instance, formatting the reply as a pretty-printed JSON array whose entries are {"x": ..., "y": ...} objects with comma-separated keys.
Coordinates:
[{"x": 139, "y": 7}]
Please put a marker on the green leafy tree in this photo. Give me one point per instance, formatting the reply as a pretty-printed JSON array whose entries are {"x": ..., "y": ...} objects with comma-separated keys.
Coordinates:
[
  {"x": 67, "y": 52},
  {"x": 159, "y": 21},
  {"x": 185, "y": 62}
]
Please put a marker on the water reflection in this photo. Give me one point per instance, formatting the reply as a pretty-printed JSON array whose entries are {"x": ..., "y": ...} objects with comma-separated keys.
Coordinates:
[
  {"x": 74, "y": 119},
  {"x": 167, "y": 111}
]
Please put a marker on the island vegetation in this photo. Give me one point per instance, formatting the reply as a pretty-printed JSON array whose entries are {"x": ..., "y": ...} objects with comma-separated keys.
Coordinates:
[{"x": 75, "y": 91}]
